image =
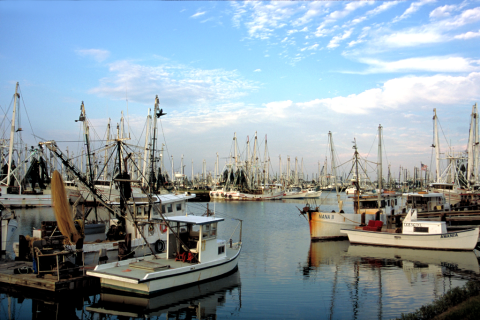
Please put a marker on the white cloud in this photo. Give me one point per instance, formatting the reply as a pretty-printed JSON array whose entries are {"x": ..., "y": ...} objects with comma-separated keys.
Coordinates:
[
  {"x": 176, "y": 85},
  {"x": 312, "y": 47},
  {"x": 407, "y": 93},
  {"x": 414, "y": 6},
  {"x": 443, "y": 11},
  {"x": 430, "y": 64},
  {"x": 337, "y": 39},
  {"x": 97, "y": 54},
  {"x": 411, "y": 38},
  {"x": 468, "y": 35},
  {"x": 264, "y": 18},
  {"x": 198, "y": 14},
  {"x": 257, "y": 70},
  {"x": 466, "y": 17},
  {"x": 383, "y": 7}
]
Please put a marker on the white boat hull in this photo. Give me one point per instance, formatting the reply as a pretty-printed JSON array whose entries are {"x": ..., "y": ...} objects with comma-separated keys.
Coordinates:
[
  {"x": 459, "y": 240},
  {"x": 156, "y": 282}
]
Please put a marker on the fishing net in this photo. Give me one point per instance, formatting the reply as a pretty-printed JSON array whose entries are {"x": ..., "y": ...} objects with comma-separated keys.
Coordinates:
[{"x": 62, "y": 210}]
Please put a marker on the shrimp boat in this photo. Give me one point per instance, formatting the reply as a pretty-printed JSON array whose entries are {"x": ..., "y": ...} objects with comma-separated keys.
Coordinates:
[
  {"x": 194, "y": 254},
  {"x": 367, "y": 206},
  {"x": 415, "y": 234}
]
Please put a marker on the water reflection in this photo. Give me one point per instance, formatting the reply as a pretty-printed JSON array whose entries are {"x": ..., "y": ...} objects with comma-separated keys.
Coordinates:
[
  {"x": 377, "y": 282},
  {"x": 17, "y": 303},
  {"x": 194, "y": 302}
]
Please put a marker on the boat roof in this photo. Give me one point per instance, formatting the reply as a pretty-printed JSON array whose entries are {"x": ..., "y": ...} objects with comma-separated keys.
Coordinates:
[
  {"x": 424, "y": 195},
  {"x": 174, "y": 197},
  {"x": 198, "y": 220},
  {"x": 162, "y": 198},
  {"x": 374, "y": 196}
]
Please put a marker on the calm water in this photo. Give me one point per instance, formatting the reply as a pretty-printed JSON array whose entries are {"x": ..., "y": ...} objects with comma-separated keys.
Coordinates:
[{"x": 281, "y": 275}]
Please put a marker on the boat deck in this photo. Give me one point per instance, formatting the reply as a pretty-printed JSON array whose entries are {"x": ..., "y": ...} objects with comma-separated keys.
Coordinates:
[{"x": 137, "y": 269}]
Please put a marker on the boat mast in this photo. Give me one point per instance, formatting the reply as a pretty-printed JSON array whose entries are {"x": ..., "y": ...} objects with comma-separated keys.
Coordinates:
[
  {"x": 437, "y": 144},
  {"x": 12, "y": 132},
  {"x": 470, "y": 148},
  {"x": 254, "y": 160},
  {"x": 145, "y": 152},
  {"x": 476, "y": 147},
  {"x": 280, "y": 168},
  {"x": 265, "y": 166},
  {"x": 157, "y": 114},
  {"x": 380, "y": 173},
  {"x": 332, "y": 150},
  {"x": 106, "y": 152}
]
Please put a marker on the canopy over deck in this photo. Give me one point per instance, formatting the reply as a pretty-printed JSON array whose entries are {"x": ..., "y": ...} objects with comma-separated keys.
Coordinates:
[{"x": 198, "y": 220}]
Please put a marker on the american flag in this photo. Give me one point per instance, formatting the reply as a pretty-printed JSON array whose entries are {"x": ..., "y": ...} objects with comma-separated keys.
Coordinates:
[{"x": 424, "y": 167}]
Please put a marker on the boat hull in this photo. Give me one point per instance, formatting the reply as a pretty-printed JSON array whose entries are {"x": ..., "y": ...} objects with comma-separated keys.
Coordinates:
[
  {"x": 327, "y": 225},
  {"x": 459, "y": 240},
  {"x": 155, "y": 283}
]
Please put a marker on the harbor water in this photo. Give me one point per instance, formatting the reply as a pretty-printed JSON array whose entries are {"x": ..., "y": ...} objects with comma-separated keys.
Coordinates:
[{"x": 281, "y": 274}]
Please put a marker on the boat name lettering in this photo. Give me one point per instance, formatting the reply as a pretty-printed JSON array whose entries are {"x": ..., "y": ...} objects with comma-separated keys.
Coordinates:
[
  {"x": 324, "y": 216},
  {"x": 449, "y": 235},
  {"x": 406, "y": 224}
]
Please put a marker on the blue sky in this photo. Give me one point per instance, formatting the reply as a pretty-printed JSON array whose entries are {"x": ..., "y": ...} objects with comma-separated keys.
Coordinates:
[{"x": 291, "y": 70}]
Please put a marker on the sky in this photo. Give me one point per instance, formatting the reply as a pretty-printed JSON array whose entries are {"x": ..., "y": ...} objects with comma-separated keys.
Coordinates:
[{"x": 290, "y": 70}]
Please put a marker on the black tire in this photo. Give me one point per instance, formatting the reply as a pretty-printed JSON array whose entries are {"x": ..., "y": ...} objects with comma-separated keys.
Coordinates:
[{"x": 159, "y": 246}]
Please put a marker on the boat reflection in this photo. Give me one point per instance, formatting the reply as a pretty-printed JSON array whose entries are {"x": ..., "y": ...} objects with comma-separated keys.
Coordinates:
[
  {"x": 354, "y": 276},
  {"x": 416, "y": 261},
  {"x": 200, "y": 301},
  {"x": 334, "y": 252},
  {"x": 18, "y": 303}
]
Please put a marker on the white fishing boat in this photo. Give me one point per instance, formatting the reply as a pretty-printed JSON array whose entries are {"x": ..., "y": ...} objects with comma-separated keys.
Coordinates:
[
  {"x": 194, "y": 254},
  {"x": 415, "y": 234}
]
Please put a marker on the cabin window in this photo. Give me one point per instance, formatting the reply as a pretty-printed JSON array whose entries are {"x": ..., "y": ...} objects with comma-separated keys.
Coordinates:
[
  {"x": 169, "y": 208},
  {"x": 179, "y": 207},
  {"x": 163, "y": 208},
  {"x": 388, "y": 202},
  {"x": 221, "y": 249},
  {"x": 368, "y": 204},
  {"x": 420, "y": 229},
  {"x": 209, "y": 231},
  {"x": 395, "y": 201},
  {"x": 139, "y": 211}
]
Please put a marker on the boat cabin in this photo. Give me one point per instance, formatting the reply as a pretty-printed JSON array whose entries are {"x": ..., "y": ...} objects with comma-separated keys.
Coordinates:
[
  {"x": 425, "y": 201},
  {"x": 194, "y": 239},
  {"x": 413, "y": 226},
  {"x": 390, "y": 203}
]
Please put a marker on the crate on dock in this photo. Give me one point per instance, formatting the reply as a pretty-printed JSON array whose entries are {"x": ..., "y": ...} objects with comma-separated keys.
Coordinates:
[{"x": 50, "y": 228}]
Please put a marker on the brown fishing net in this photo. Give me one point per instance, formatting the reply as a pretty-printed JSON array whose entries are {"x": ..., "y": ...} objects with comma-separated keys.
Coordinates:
[{"x": 62, "y": 210}]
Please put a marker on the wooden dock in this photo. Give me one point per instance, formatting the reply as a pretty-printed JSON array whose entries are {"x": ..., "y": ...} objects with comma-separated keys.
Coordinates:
[{"x": 48, "y": 282}]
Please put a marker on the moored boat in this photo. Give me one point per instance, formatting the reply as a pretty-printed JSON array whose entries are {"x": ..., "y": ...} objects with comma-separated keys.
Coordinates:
[
  {"x": 192, "y": 256},
  {"x": 415, "y": 234}
]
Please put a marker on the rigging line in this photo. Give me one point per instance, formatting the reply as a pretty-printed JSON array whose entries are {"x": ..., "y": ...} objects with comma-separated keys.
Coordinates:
[
  {"x": 373, "y": 143},
  {"x": 166, "y": 147},
  {"x": 105, "y": 165},
  {"x": 28, "y": 118},
  {"x": 441, "y": 128},
  {"x": 385, "y": 149}
]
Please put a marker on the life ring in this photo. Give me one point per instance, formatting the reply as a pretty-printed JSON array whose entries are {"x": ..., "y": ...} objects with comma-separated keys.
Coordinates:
[
  {"x": 159, "y": 246},
  {"x": 163, "y": 227},
  {"x": 150, "y": 230}
]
